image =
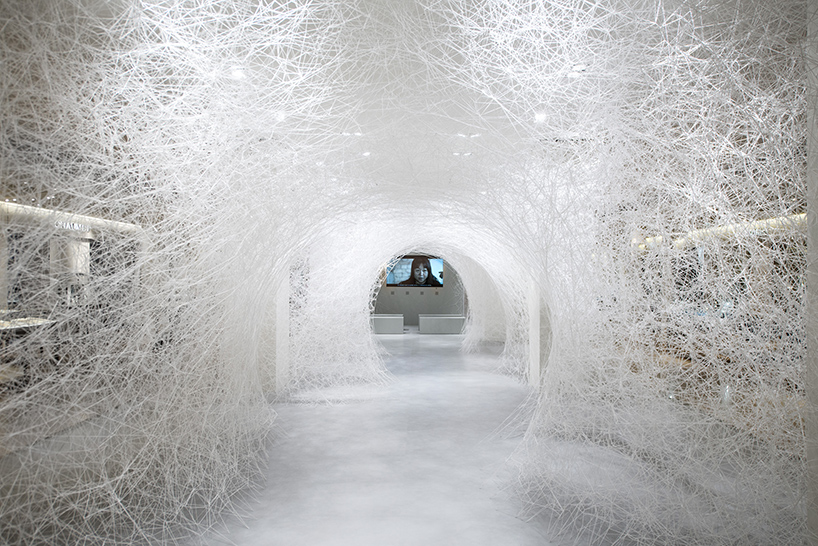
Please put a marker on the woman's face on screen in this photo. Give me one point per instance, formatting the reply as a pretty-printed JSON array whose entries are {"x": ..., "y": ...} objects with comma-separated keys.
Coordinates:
[{"x": 421, "y": 273}]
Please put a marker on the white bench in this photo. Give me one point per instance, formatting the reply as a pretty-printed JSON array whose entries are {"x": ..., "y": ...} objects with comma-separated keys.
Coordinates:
[
  {"x": 387, "y": 324},
  {"x": 441, "y": 324}
]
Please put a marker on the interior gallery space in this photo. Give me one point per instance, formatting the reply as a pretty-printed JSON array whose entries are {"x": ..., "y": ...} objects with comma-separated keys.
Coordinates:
[{"x": 359, "y": 272}]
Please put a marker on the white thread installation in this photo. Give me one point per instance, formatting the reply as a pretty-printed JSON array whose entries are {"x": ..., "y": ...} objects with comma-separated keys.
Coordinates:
[{"x": 642, "y": 163}]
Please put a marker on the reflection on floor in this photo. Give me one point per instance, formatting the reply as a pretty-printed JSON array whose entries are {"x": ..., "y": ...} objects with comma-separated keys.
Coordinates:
[{"x": 416, "y": 462}]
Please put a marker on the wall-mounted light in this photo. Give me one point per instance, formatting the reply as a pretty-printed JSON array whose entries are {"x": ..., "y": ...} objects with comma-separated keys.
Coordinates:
[{"x": 577, "y": 70}]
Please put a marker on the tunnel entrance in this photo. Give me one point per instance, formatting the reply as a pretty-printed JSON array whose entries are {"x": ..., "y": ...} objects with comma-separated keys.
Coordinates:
[{"x": 417, "y": 291}]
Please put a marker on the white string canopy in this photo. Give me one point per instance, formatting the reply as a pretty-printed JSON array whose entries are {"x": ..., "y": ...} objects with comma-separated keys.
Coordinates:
[{"x": 174, "y": 174}]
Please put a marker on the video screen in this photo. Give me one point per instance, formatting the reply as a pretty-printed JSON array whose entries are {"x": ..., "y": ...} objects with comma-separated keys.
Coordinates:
[{"x": 416, "y": 270}]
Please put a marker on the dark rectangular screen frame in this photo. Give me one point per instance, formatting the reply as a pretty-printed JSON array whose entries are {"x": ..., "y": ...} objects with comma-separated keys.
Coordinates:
[{"x": 438, "y": 272}]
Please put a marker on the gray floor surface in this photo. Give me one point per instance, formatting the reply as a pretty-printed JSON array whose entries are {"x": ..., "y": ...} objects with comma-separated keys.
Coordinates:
[{"x": 419, "y": 461}]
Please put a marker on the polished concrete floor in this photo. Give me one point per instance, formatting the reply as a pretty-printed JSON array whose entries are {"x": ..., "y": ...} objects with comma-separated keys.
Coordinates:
[{"x": 420, "y": 461}]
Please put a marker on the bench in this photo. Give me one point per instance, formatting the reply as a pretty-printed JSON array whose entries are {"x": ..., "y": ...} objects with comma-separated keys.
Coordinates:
[
  {"x": 387, "y": 324},
  {"x": 441, "y": 324}
]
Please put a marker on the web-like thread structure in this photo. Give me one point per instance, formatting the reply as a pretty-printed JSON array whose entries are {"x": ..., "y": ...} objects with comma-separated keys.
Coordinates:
[{"x": 633, "y": 170}]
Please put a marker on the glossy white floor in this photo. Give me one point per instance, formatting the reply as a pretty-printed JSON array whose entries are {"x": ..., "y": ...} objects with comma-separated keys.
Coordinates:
[{"x": 416, "y": 462}]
